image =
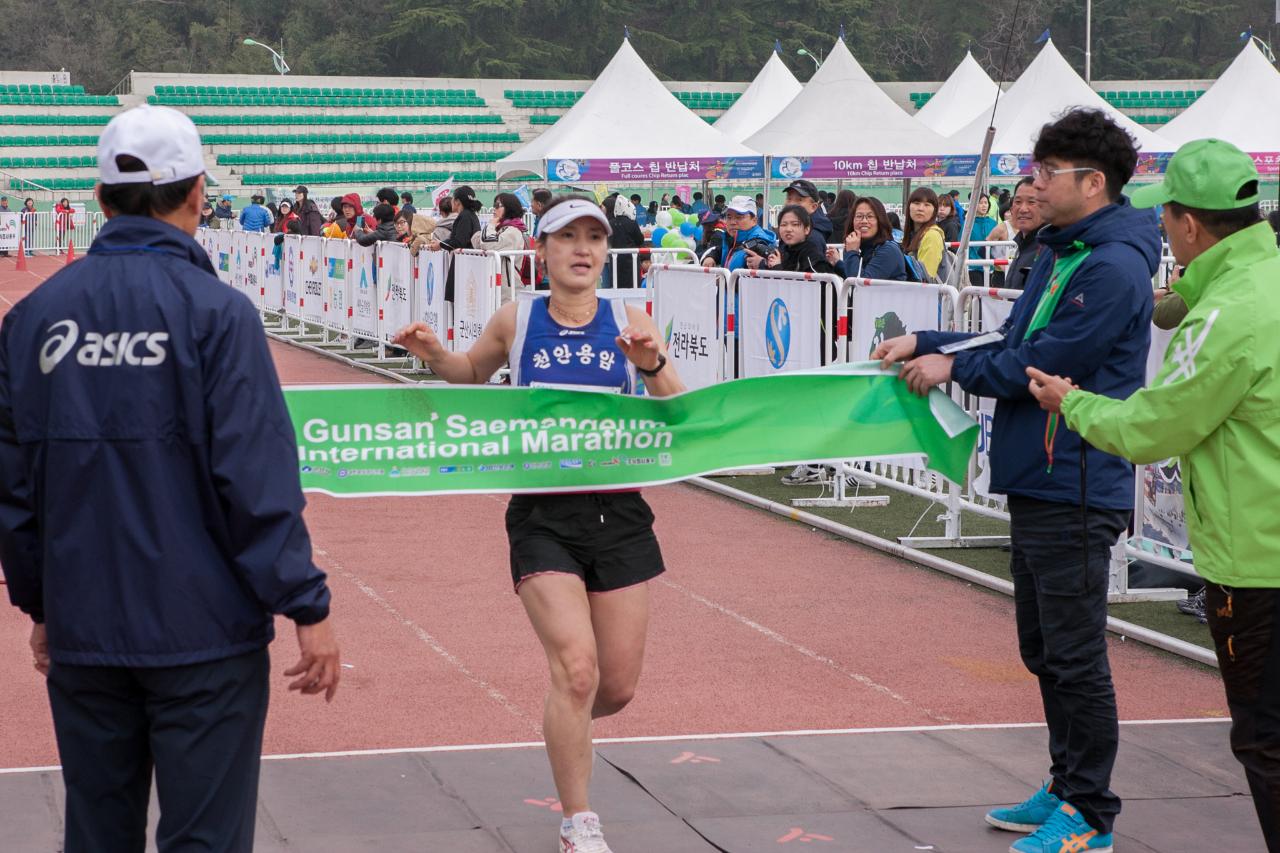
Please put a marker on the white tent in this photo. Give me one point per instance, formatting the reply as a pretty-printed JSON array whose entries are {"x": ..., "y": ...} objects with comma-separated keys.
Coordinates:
[
  {"x": 774, "y": 87},
  {"x": 967, "y": 93},
  {"x": 1242, "y": 107},
  {"x": 1049, "y": 87},
  {"x": 842, "y": 112},
  {"x": 627, "y": 114}
]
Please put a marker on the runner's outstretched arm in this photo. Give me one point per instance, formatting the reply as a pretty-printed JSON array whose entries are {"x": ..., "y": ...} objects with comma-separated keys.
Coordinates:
[{"x": 473, "y": 367}]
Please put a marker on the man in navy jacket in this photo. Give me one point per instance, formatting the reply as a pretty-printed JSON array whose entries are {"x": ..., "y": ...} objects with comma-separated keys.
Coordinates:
[
  {"x": 1085, "y": 313},
  {"x": 150, "y": 511}
]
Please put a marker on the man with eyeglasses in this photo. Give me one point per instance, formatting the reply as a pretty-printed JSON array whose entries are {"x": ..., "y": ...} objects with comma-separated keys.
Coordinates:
[{"x": 1085, "y": 313}]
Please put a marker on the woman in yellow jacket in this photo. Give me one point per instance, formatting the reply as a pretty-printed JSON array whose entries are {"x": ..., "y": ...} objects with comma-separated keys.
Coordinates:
[{"x": 922, "y": 238}]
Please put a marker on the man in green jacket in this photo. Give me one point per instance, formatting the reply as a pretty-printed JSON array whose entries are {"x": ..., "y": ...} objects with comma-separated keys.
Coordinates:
[{"x": 1216, "y": 404}]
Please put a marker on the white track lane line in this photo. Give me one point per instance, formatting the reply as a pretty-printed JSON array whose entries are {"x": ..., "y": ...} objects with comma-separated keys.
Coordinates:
[
  {"x": 485, "y": 747},
  {"x": 815, "y": 657},
  {"x": 434, "y": 644}
]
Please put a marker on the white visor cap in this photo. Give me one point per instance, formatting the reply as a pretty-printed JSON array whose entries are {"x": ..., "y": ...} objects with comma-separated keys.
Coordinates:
[
  {"x": 165, "y": 140},
  {"x": 567, "y": 211}
]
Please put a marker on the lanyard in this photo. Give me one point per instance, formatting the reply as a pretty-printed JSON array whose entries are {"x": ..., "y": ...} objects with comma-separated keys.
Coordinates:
[{"x": 1064, "y": 267}]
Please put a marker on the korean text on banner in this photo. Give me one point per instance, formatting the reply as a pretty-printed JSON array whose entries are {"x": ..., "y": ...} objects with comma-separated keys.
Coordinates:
[
  {"x": 780, "y": 325},
  {"x": 9, "y": 232},
  {"x": 475, "y": 299},
  {"x": 311, "y": 296},
  {"x": 337, "y": 296},
  {"x": 432, "y": 271},
  {"x": 687, "y": 312},
  {"x": 363, "y": 289},
  {"x": 395, "y": 281},
  {"x": 370, "y": 440}
]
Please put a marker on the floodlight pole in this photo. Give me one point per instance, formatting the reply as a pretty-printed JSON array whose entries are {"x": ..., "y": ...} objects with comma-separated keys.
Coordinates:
[
  {"x": 803, "y": 52},
  {"x": 1088, "y": 41},
  {"x": 276, "y": 59}
]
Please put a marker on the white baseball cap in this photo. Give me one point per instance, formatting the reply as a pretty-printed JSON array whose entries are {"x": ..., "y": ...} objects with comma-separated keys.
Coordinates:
[
  {"x": 742, "y": 204},
  {"x": 560, "y": 215},
  {"x": 162, "y": 138}
]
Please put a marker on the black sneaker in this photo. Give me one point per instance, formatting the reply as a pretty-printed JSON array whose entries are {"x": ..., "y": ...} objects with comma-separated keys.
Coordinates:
[{"x": 1194, "y": 606}]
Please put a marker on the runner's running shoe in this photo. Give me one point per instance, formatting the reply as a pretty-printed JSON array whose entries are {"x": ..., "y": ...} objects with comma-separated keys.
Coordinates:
[
  {"x": 1029, "y": 815},
  {"x": 583, "y": 835},
  {"x": 1064, "y": 832},
  {"x": 803, "y": 475}
]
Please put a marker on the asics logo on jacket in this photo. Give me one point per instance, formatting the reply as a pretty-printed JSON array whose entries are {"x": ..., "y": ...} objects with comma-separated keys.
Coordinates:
[{"x": 99, "y": 350}]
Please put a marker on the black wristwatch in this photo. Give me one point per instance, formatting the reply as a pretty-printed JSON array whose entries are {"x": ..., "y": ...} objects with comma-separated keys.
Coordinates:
[{"x": 662, "y": 362}]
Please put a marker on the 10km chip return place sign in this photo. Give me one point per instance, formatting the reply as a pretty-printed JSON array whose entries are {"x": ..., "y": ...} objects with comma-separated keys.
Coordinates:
[{"x": 436, "y": 439}]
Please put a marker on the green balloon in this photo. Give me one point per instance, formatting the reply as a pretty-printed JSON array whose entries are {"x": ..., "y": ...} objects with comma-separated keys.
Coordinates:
[
  {"x": 673, "y": 240},
  {"x": 677, "y": 218}
]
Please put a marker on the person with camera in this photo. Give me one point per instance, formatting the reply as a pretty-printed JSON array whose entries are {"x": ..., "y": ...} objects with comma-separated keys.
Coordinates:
[{"x": 743, "y": 237}]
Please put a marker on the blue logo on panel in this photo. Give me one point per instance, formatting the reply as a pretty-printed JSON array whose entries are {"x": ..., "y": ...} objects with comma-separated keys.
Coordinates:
[
  {"x": 431, "y": 282},
  {"x": 777, "y": 333}
]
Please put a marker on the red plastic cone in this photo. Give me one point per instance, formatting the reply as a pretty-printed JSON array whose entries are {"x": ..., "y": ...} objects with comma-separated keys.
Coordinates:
[
  {"x": 22, "y": 255},
  {"x": 71, "y": 251}
]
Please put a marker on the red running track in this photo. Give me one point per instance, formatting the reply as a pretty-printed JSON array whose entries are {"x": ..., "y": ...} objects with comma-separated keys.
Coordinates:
[{"x": 760, "y": 624}]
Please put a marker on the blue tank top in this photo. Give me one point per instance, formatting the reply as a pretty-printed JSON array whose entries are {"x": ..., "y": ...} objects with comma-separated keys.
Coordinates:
[{"x": 547, "y": 353}]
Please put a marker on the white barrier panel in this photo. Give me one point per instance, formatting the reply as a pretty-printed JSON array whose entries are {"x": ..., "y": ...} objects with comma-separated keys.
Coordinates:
[
  {"x": 993, "y": 308},
  {"x": 337, "y": 284},
  {"x": 10, "y": 232},
  {"x": 251, "y": 269},
  {"x": 780, "y": 324},
  {"x": 1161, "y": 513},
  {"x": 688, "y": 307},
  {"x": 475, "y": 296},
  {"x": 272, "y": 275},
  {"x": 292, "y": 273},
  {"x": 311, "y": 293},
  {"x": 395, "y": 282},
  {"x": 429, "y": 305},
  {"x": 363, "y": 290},
  {"x": 222, "y": 256},
  {"x": 239, "y": 263}
]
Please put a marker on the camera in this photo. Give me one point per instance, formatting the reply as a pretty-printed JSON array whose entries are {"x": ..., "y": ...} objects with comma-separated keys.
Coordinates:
[{"x": 760, "y": 246}]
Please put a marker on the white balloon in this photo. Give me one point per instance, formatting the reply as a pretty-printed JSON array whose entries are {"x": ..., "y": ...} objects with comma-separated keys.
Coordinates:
[{"x": 664, "y": 219}]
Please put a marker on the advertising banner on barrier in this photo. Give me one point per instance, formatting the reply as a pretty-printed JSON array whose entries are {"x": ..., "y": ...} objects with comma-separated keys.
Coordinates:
[
  {"x": 311, "y": 292},
  {"x": 396, "y": 440},
  {"x": 429, "y": 300},
  {"x": 362, "y": 287},
  {"x": 273, "y": 276},
  {"x": 779, "y": 325},
  {"x": 251, "y": 268},
  {"x": 1163, "y": 513},
  {"x": 686, "y": 309},
  {"x": 923, "y": 166},
  {"x": 993, "y": 314},
  {"x": 292, "y": 273},
  {"x": 886, "y": 311},
  {"x": 239, "y": 247},
  {"x": 9, "y": 232},
  {"x": 474, "y": 297},
  {"x": 395, "y": 281},
  {"x": 221, "y": 258},
  {"x": 337, "y": 299},
  {"x": 665, "y": 169}
]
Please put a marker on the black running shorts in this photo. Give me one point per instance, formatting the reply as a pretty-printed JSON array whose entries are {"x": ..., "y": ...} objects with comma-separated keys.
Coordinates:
[{"x": 604, "y": 538}]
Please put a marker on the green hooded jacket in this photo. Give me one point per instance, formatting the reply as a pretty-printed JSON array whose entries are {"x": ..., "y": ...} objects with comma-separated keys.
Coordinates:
[{"x": 1216, "y": 404}]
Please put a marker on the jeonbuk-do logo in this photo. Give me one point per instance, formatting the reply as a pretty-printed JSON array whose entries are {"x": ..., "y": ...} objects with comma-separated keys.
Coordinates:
[{"x": 777, "y": 333}]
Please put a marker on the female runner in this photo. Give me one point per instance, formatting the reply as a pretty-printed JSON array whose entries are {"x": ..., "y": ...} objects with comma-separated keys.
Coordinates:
[{"x": 579, "y": 561}]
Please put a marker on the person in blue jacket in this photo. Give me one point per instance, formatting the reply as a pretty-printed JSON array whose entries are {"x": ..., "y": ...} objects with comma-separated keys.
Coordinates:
[
  {"x": 254, "y": 216},
  {"x": 1085, "y": 313},
  {"x": 150, "y": 512},
  {"x": 869, "y": 248},
  {"x": 750, "y": 242}
]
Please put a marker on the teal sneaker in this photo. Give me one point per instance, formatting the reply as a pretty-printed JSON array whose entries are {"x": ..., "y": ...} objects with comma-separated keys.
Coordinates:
[
  {"x": 1028, "y": 815},
  {"x": 1064, "y": 832}
]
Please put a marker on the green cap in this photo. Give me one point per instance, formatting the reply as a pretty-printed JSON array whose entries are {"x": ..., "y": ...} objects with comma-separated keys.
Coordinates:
[{"x": 1209, "y": 174}]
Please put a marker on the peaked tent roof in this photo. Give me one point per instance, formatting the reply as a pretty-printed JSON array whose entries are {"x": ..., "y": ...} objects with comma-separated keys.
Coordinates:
[
  {"x": 965, "y": 95},
  {"x": 842, "y": 112},
  {"x": 1048, "y": 87},
  {"x": 774, "y": 87},
  {"x": 625, "y": 95},
  {"x": 1242, "y": 107}
]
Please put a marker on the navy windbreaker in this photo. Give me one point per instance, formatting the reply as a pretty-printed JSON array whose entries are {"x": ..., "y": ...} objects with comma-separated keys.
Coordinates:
[
  {"x": 1098, "y": 335},
  {"x": 150, "y": 509}
]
